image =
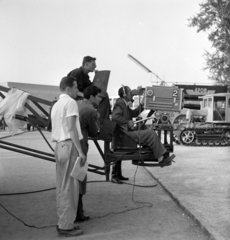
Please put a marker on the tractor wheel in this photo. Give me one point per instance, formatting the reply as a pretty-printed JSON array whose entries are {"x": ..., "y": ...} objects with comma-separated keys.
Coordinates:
[
  {"x": 227, "y": 137},
  {"x": 210, "y": 142},
  {"x": 204, "y": 142},
  {"x": 198, "y": 142},
  {"x": 187, "y": 137},
  {"x": 217, "y": 142}
]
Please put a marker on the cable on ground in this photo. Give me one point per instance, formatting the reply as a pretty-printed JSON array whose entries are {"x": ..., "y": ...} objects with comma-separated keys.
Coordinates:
[{"x": 144, "y": 204}]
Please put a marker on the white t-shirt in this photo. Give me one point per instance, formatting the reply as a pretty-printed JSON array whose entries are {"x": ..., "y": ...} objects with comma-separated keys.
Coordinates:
[{"x": 65, "y": 107}]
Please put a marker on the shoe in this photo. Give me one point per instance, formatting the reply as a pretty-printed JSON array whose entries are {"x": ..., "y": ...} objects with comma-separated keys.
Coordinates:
[
  {"x": 167, "y": 161},
  {"x": 76, "y": 227},
  {"x": 116, "y": 180},
  {"x": 122, "y": 178},
  {"x": 82, "y": 219},
  {"x": 76, "y": 231}
]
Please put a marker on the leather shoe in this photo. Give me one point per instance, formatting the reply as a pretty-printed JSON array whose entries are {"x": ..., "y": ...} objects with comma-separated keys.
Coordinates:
[
  {"x": 122, "y": 178},
  {"x": 116, "y": 180},
  {"x": 167, "y": 161},
  {"x": 82, "y": 219},
  {"x": 69, "y": 233}
]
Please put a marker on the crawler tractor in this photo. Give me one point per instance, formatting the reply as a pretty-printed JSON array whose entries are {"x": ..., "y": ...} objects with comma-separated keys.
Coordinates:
[{"x": 209, "y": 126}]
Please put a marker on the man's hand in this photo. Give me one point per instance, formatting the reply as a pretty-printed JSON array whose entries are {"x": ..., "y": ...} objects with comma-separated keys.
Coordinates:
[
  {"x": 80, "y": 94},
  {"x": 82, "y": 159},
  {"x": 130, "y": 124}
]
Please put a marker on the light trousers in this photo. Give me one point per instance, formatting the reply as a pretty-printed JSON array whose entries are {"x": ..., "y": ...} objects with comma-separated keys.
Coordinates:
[{"x": 67, "y": 186}]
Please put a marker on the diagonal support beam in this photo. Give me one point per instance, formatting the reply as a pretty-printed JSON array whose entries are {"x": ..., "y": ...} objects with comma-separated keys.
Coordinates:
[
  {"x": 99, "y": 149},
  {"x": 35, "y": 114},
  {"x": 41, "y": 108}
]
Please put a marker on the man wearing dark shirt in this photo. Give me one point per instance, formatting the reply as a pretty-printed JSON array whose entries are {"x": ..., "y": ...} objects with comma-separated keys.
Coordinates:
[
  {"x": 82, "y": 76},
  {"x": 89, "y": 127}
]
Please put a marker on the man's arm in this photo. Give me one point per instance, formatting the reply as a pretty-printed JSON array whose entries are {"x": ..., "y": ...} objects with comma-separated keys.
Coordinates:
[
  {"x": 71, "y": 122},
  {"x": 140, "y": 108},
  {"x": 90, "y": 119},
  {"x": 94, "y": 124},
  {"x": 118, "y": 115}
]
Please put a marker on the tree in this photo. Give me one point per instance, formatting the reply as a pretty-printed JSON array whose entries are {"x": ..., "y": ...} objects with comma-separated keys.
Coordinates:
[{"x": 214, "y": 18}]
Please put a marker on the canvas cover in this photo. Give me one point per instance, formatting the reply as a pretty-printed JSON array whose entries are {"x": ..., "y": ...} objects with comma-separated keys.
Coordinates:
[{"x": 14, "y": 103}]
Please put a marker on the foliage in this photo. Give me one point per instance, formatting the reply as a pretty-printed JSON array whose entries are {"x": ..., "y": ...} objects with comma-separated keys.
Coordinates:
[{"x": 214, "y": 19}]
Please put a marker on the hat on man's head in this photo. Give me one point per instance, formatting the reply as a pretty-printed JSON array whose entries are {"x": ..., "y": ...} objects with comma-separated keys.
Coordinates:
[{"x": 88, "y": 59}]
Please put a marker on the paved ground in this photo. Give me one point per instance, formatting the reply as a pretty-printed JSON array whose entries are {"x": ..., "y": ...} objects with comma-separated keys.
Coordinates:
[
  {"x": 199, "y": 185},
  {"x": 200, "y": 182}
]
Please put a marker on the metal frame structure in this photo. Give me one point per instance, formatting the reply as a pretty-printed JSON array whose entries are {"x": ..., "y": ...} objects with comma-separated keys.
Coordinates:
[
  {"x": 40, "y": 123},
  {"x": 140, "y": 156}
]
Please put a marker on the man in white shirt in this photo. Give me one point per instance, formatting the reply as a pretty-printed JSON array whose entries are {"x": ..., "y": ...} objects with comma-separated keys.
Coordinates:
[{"x": 66, "y": 132}]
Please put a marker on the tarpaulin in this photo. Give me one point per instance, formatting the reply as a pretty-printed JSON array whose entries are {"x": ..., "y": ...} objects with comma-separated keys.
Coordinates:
[{"x": 14, "y": 103}]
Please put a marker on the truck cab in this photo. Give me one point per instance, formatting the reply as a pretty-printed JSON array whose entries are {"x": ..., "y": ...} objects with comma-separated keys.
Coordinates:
[{"x": 217, "y": 107}]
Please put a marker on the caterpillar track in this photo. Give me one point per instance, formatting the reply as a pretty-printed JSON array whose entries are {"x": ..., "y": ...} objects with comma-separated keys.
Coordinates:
[{"x": 206, "y": 136}]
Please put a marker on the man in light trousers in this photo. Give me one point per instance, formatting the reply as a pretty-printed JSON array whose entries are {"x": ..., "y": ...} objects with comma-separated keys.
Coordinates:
[{"x": 66, "y": 132}]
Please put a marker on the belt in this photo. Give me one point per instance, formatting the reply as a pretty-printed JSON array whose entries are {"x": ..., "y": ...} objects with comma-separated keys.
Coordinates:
[{"x": 66, "y": 140}]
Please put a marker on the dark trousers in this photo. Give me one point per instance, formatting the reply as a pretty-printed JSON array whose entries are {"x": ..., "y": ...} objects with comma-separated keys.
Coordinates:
[
  {"x": 83, "y": 184},
  {"x": 116, "y": 171},
  {"x": 80, "y": 212},
  {"x": 148, "y": 138}
]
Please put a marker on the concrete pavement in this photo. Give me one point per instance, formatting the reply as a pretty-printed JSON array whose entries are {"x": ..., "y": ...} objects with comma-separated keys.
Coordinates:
[
  {"x": 6, "y": 134},
  {"x": 198, "y": 184}
]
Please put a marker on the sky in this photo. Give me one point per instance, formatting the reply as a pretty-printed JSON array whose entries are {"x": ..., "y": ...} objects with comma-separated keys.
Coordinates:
[{"x": 43, "y": 40}]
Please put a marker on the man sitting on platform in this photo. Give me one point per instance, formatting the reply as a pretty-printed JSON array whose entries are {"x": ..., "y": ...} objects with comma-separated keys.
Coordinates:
[
  {"x": 90, "y": 126},
  {"x": 122, "y": 114}
]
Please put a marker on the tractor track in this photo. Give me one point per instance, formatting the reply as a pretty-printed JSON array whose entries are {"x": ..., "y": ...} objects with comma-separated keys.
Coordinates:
[{"x": 206, "y": 137}]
